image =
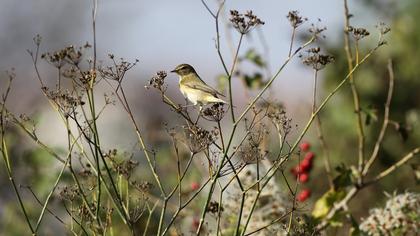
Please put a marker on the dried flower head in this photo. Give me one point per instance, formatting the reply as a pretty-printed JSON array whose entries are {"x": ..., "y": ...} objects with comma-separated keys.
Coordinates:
[
  {"x": 383, "y": 28},
  {"x": 278, "y": 117},
  {"x": 126, "y": 167},
  {"x": 358, "y": 33},
  {"x": 118, "y": 69},
  {"x": 213, "y": 207},
  {"x": 84, "y": 77},
  {"x": 316, "y": 31},
  {"x": 316, "y": 60},
  {"x": 251, "y": 151},
  {"x": 37, "y": 39},
  {"x": 295, "y": 19},
  {"x": 158, "y": 81},
  {"x": 250, "y": 154},
  {"x": 214, "y": 113},
  {"x": 69, "y": 193},
  {"x": 83, "y": 212},
  {"x": 65, "y": 100},
  {"x": 243, "y": 23},
  {"x": 70, "y": 55},
  {"x": 143, "y": 187},
  {"x": 198, "y": 139}
]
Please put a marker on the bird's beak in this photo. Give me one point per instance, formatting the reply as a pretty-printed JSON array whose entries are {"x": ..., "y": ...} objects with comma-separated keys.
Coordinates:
[{"x": 173, "y": 71}]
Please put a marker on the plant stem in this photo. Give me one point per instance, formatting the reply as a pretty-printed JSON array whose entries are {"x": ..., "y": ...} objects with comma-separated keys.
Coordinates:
[
  {"x": 356, "y": 99},
  {"x": 321, "y": 138}
]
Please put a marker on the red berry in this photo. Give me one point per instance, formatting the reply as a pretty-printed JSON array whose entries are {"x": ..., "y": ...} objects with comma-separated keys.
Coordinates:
[
  {"x": 305, "y": 165},
  {"x": 195, "y": 223},
  {"x": 195, "y": 186},
  {"x": 309, "y": 156},
  {"x": 303, "y": 195},
  {"x": 305, "y": 146},
  {"x": 303, "y": 178},
  {"x": 297, "y": 170}
]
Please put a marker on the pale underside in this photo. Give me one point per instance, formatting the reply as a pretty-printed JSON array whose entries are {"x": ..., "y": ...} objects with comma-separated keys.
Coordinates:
[{"x": 198, "y": 92}]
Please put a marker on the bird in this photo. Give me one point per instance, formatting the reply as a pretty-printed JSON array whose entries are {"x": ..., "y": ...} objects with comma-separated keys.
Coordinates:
[{"x": 194, "y": 88}]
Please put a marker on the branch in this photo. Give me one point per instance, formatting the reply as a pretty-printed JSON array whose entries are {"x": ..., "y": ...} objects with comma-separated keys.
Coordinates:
[{"x": 385, "y": 122}]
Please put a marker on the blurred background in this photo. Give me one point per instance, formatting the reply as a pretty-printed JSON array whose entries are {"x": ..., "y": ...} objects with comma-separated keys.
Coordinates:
[{"x": 163, "y": 34}]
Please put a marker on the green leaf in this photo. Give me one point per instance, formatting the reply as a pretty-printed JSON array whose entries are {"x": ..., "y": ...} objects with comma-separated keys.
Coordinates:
[
  {"x": 254, "y": 81},
  {"x": 336, "y": 221},
  {"x": 252, "y": 56},
  {"x": 344, "y": 178},
  {"x": 354, "y": 230},
  {"x": 371, "y": 114},
  {"x": 416, "y": 172},
  {"x": 324, "y": 204}
]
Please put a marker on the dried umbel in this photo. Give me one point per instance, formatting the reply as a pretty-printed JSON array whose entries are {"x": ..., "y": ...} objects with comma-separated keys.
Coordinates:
[
  {"x": 250, "y": 154},
  {"x": 358, "y": 33},
  {"x": 126, "y": 167},
  {"x": 213, "y": 207},
  {"x": 214, "y": 113},
  {"x": 70, "y": 55},
  {"x": 143, "y": 187},
  {"x": 316, "y": 31},
  {"x": 278, "y": 117},
  {"x": 315, "y": 59},
  {"x": 158, "y": 81},
  {"x": 87, "y": 77},
  {"x": 294, "y": 19},
  {"x": 118, "y": 70},
  {"x": 244, "y": 22},
  {"x": 383, "y": 28},
  {"x": 84, "y": 213},
  {"x": 198, "y": 139},
  {"x": 122, "y": 166},
  {"x": 69, "y": 193},
  {"x": 65, "y": 100}
]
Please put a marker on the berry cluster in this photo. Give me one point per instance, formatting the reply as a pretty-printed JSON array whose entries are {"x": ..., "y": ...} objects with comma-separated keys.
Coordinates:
[{"x": 302, "y": 170}]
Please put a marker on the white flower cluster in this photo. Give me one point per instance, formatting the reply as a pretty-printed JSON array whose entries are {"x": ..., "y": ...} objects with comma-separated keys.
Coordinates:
[
  {"x": 271, "y": 203},
  {"x": 401, "y": 216}
]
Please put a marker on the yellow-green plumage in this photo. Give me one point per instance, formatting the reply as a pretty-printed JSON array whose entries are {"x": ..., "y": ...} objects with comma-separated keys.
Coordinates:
[{"x": 194, "y": 88}]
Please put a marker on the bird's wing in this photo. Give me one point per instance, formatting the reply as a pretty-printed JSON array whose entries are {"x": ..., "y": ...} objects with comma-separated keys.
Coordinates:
[{"x": 205, "y": 88}]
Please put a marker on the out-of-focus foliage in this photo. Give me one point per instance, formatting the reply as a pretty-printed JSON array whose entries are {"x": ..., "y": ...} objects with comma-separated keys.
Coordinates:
[{"x": 372, "y": 84}]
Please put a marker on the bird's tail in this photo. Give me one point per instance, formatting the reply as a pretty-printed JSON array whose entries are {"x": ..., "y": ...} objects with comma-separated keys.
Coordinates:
[{"x": 217, "y": 100}]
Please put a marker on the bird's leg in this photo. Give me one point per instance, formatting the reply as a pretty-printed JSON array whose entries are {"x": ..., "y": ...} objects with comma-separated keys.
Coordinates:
[{"x": 199, "y": 114}]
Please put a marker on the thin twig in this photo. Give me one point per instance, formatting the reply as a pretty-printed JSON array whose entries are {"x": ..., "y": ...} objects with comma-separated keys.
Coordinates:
[
  {"x": 385, "y": 122},
  {"x": 320, "y": 134},
  {"x": 355, "y": 94}
]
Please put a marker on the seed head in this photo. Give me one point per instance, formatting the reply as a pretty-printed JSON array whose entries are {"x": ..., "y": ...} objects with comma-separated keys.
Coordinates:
[
  {"x": 243, "y": 23},
  {"x": 294, "y": 19},
  {"x": 158, "y": 81}
]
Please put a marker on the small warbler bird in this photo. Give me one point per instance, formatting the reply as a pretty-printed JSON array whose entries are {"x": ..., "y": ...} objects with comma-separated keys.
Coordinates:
[{"x": 194, "y": 88}]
